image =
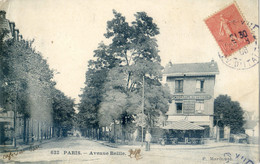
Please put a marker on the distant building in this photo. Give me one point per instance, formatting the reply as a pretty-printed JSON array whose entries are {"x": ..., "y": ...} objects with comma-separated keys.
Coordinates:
[
  {"x": 192, "y": 86},
  {"x": 252, "y": 124},
  {"x": 9, "y": 27},
  {"x": 6, "y": 125}
]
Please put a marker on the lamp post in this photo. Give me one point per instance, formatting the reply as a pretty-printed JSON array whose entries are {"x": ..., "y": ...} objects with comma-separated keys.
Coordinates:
[
  {"x": 15, "y": 111},
  {"x": 143, "y": 113}
]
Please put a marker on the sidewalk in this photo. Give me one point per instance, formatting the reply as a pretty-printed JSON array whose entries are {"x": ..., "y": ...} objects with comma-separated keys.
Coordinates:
[
  {"x": 209, "y": 145},
  {"x": 21, "y": 146}
]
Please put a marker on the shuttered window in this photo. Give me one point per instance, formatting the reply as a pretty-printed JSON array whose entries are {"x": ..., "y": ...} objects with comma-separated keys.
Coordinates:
[{"x": 178, "y": 86}]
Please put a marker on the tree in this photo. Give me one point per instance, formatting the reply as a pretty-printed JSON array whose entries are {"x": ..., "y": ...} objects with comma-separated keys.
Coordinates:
[
  {"x": 232, "y": 114},
  {"x": 93, "y": 91},
  {"x": 114, "y": 84},
  {"x": 63, "y": 112},
  {"x": 26, "y": 81},
  {"x": 135, "y": 48}
]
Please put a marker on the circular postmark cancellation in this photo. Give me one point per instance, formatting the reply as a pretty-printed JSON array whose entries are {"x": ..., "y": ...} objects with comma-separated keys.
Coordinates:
[
  {"x": 246, "y": 57},
  {"x": 235, "y": 38}
]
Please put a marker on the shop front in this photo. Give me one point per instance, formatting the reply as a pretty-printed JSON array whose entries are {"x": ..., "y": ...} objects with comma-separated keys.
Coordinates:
[{"x": 183, "y": 132}]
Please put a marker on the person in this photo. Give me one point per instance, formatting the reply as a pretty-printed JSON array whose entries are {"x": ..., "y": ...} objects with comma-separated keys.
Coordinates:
[
  {"x": 148, "y": 138},
  {"x": 135, "y": 135}
]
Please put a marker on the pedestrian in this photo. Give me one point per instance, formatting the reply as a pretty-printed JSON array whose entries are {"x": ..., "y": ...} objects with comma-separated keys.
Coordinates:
[
  {"x": 135, "y": 135},
  {"x": 148, "y": 138}
]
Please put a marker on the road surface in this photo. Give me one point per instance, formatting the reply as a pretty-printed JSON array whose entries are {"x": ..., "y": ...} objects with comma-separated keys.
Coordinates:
[{"x": 80, "y": 150}]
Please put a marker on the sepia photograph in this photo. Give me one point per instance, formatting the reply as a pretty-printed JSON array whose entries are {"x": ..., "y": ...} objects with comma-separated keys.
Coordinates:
[{"x": 129, "y": 81}]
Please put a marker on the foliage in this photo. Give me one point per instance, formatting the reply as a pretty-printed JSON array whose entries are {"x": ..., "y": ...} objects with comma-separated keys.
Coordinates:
[
  {"x": 27, "y": 86},
  {"x": 136, "y": 48},
  {"x": 114, "y": 79},
  {"x": 93, "y": 91},
  {"x": 63, "y": 111},
  {"x": 231, "y": 111},
  {"x": 26, "y": 77}
]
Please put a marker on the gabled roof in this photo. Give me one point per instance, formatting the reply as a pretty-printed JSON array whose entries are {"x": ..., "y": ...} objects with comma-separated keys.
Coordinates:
[
  {"x": 250, "y": 124},
  {"x": 189, "y": 69}
]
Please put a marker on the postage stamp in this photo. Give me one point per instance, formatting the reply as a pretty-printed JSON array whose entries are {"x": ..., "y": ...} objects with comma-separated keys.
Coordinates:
[
  {"x": 229, "y": 30},
  {"x": 248, "y": 56}
]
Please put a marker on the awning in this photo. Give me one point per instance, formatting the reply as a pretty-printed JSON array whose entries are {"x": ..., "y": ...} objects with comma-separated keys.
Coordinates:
[{"x": 183, "y": 125}]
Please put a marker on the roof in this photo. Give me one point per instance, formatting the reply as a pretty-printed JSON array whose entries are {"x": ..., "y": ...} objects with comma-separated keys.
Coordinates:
[
  {"x": 208, "y": 68},
  {"x": 183, "y": 125},
  {"x": 250, "y": 124}
]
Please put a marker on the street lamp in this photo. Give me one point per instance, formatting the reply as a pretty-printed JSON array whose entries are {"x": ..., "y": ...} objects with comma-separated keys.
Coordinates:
[{"x": 143, "y": 113}]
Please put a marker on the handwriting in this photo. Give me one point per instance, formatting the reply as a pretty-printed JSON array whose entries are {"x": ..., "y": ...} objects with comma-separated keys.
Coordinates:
[
  {"x": 10, "y": 155},
  {"x": 33, "y": 148},
  {"x": 244, "y": 159},
  {"x": 136, "y": 153}
]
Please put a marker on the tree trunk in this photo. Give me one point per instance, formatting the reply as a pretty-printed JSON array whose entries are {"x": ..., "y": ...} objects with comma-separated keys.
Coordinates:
[
  {"x": 27, "y": 131},
  {"x": 50, "y": 132},
  {"x": 100, "y": 134},
  {"x": 38, "y": 131},
  {"x": 24, "y": 129},
  {"x": 115, "y": 138},
  {"x": 97, "y": 135}
]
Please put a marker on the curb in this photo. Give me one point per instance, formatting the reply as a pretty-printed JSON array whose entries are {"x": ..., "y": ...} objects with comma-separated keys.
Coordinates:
[{"x": 177, "y": 148}]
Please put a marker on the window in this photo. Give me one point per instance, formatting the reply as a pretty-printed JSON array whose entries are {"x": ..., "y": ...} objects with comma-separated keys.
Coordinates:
[
  {"x": 178, "y": 86},
  {"x": 199, "y": 106},
  {"x": 200, "y": 86},
  {"x": 179, "y": 107}
]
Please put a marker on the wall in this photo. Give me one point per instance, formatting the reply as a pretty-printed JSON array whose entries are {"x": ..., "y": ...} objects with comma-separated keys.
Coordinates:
[{"x": 189, "y": 88}]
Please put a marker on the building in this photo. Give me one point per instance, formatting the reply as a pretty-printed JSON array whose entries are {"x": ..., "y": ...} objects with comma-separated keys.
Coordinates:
[
  {"x": 9, "y": 27},
  {"x": 192, "y": 108},
  {"x": 6, "y": 125},
  {"x": 252, "y": 126}
]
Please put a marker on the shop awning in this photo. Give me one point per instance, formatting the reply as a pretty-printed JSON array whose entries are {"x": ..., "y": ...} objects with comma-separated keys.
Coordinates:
[{"x": 182, "y": 125}]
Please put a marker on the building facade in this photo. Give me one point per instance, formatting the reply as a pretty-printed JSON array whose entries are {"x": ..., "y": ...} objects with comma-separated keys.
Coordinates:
[{"x": 192, "y": 89}]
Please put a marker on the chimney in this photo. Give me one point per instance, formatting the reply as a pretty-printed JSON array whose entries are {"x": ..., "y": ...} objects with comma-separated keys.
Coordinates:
[
  {"x": 212, "y": 63},
  {"x": 12, "y": 26},
  {"x": 16, "y": 35},
  {"x": 2, "y": 14},
  {"x": 20, "y": 37}
]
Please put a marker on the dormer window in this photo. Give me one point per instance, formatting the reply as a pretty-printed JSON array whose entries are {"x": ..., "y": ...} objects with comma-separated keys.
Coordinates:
[{"x": 200, "y": 86}]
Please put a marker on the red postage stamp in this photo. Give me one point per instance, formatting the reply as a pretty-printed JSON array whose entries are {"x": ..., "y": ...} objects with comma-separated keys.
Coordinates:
[{"x": 229, "y": 29}]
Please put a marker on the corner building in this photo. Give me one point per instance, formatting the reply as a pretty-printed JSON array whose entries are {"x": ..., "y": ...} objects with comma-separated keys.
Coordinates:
[{"x": 192, "y": 89}]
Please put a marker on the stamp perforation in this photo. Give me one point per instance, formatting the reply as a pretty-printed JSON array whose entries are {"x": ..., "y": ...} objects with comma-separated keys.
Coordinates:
[{"x": 243, "y": 18}]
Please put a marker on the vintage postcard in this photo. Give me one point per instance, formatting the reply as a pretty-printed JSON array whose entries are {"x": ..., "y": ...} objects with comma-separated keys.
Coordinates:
[{"x": 129, "y": 81}]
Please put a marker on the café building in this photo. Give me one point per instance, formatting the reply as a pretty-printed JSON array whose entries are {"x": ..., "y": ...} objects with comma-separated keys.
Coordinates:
[{"x": 190, "y": 114}]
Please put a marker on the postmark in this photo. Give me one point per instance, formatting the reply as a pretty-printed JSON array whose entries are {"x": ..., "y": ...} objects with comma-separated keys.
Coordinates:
[
  {"x": 247, "y": 57},
  {"x": 229, "y": 30}
]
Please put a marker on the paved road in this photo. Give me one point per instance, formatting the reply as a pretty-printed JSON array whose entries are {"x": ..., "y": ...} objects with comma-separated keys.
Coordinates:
[{"x": 79, "y": 150}]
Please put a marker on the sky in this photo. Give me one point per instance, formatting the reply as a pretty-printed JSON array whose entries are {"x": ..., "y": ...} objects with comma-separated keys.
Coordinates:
[{"x": 66, "y": 33}]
